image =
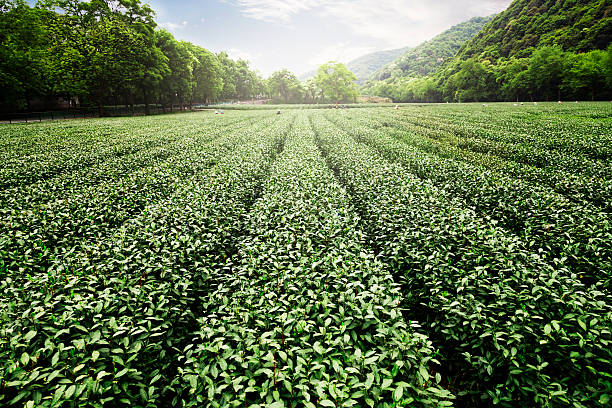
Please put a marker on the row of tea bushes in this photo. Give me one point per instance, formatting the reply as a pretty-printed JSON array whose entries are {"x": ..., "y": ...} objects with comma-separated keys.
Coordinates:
[
  {"x": 304, "y": 316},
  {"x": 108, "y": 331},
  {"x": 38, "y": 233},
  {"x": 579, "y": 236},
  {"x": 574, "y": 186},
  {"x": 170, "y": 143},
  {"x": 567, "y": 134},
  {"x": 48, "y": 149},
  {"x": 511, "y": 328}
]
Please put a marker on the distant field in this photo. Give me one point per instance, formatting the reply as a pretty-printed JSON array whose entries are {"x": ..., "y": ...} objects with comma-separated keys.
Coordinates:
[{"x": 435, "y": 255}]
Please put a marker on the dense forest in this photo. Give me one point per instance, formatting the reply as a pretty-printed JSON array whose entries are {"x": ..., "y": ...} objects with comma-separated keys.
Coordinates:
[
  {"x": 102, "y": 53},
  {"x": 535, "y": 50},
  {"x": 111, "y": 52},
  {"x": 574, "y": 25}
]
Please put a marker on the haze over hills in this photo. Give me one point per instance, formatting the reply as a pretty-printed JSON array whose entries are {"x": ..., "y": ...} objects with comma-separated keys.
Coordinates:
[
  {"x": 428, "y": 56},
  {"x": 413, "y": 61},
  {"x": 364, "y": 66}
]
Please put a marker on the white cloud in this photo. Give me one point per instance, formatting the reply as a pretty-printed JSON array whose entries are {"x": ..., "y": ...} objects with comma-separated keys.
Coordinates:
[
  {"x": 342, "y": 52},
  {"x": 237, "y": 53},
  {"x": 174, "y": 26},
  {"x": 394, "y": 22},
  {"x": 279, "y": 11}
]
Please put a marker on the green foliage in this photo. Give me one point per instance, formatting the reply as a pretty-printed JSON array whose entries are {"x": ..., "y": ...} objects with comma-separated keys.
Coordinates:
[
  {"x": 365, "y": 66},
  {"x": 502, "y": 308},
  {"x": 109, "y": 51},
  {"x": 427, "y": 256},
  {"x": 304, "y": 316},
  {"x": 108, "y": 303},
  {"x": 576, "y": 26},
  {"x": 207, "y": 79},
  {"x": 534, "y": 50},
  {"x": 23, "y": 53},
  {"x": 337, "y": 82},
  {"x": 425, "y": 58},
  {"x": 285, "y": 87},
  {"x": 239, "y": 82}
]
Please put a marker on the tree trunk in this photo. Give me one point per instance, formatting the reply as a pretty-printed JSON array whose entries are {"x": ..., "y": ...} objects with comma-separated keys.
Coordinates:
[
  {"x": 145, "y": 97},
  {"x": 100, "y": 100}
]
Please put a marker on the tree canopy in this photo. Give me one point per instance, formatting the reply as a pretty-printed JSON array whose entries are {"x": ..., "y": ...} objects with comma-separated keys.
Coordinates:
[
  {"x": 337, "y": 82},
  {"x": 106, "y": 52},
  {"x": 534, "y": 50}
]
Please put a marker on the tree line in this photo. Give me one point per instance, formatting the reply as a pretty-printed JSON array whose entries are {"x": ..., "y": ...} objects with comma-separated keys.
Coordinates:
[
  {"x": 333, "y": 83},
  {"x": 547, "y": 74},
  {"x": 111, "y": 52},
  {"x": 108, "y": 52}
]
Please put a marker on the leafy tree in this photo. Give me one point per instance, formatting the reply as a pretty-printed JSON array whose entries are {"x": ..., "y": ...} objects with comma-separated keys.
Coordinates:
[
  {"x": 207, "y": 75},
  {"x": 101, "y": 47},
  {"x": 587, "y": 73},
  {"x": 312, "y": 91},
  {"x": 23, "y": 53},
  {"x": 228, "y": 75},
  {"x": 546, "y": 70},
  {"x": 177, "y": 84},
  {"x": 154, "y": 69},
  {"x": 512, "y": 79},
  {"x": 470, "y": 83},
  {"x": 607, "y": 62},
  {"x": 337, "y": 81},
  {"x": 285, "y": 84},
  {"x": 246, "y": 80},
  {"x": 107, "y": 50}
]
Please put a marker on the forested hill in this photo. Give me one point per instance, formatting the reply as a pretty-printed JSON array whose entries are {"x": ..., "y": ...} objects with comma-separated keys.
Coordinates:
[
  {"x": 364, "y": 66},
  {"x": 574, "y": 25},
  {"x": 427, "y": 57},
  {"x": 534, "y": 50}
]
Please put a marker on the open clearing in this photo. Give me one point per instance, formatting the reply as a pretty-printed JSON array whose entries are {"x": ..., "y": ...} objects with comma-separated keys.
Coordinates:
[{"x": 433, "y": 255}]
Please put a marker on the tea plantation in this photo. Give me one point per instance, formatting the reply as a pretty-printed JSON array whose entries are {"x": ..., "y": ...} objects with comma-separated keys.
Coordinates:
[{"x": 431, "y": 256}]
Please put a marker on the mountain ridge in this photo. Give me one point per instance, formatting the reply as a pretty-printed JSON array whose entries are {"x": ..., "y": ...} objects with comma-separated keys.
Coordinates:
[
  {"x": 364, "y": 66},
  {"x": 426, "y": 57}
]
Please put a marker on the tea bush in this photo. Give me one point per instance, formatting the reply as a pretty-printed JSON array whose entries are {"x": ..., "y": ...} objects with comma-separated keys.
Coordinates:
[{"x": 442, "y": 255}]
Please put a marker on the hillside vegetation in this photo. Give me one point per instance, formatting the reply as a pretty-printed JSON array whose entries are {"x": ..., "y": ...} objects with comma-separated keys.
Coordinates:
[
  {"x": 427, "y": 57},
  {"x": 364, "y": 67},
  {"x": 534, "y": 50},
  {"x": 574, "y": 25}
]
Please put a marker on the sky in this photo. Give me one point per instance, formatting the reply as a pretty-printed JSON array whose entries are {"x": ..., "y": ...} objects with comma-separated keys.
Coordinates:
[{"x": 302, "y": 34}]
